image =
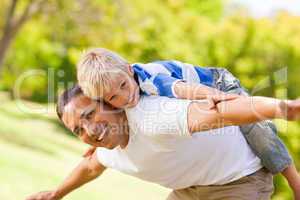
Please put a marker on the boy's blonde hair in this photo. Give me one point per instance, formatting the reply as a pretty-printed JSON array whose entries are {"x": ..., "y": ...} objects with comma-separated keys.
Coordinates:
[{"x": 95, "y": 70}]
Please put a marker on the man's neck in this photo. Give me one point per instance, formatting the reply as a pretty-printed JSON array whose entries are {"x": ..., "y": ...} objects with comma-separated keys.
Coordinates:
[{"x": 125, "y": 138}]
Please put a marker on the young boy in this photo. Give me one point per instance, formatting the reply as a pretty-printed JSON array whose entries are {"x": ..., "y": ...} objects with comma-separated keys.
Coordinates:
[{"x": 103, "y": 74}]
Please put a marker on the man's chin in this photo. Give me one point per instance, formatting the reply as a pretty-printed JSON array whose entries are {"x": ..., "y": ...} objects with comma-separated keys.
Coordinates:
[{"x": 110, "y": 147}]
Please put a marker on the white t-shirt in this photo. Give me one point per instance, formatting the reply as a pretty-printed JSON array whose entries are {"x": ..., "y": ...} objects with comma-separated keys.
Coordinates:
[{"x": 162, "y": 151}]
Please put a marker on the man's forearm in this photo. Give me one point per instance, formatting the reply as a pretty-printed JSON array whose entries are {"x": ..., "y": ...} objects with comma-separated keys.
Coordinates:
[{"x": 85, "y": 172}]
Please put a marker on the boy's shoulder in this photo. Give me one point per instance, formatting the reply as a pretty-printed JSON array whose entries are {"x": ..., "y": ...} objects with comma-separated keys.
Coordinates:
[
  {"x": 158, "y": 66},
  {"x": 159, "y": 62}
]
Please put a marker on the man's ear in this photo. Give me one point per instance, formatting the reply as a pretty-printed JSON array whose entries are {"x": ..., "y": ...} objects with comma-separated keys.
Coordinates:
[{"x": 130, "y": 70}]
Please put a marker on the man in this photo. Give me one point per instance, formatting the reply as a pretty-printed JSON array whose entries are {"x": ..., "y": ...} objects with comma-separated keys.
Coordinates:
[{"x": 162, "y": 144}]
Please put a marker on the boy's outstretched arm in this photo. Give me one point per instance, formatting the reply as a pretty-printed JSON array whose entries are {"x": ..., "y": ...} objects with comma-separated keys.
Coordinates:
[
  {"x": 185, "y": 90},
  {"x": 86, "y": 171},
  {"x": 240, "y": 111}
]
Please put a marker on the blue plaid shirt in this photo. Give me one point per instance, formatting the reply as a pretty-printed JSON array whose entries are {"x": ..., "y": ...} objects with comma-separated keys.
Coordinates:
[{"x": 159, "y": 77}]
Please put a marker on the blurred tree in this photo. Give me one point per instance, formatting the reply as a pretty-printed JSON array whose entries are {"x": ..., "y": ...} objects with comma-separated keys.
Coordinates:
[{"x": 14, "y": 21}]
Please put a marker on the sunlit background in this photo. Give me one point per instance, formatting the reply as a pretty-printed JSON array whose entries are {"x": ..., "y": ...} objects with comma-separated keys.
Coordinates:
[{"x": 40, "y": 43}]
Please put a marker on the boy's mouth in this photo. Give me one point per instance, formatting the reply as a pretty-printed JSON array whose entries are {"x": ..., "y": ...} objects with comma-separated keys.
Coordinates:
[{"x": 133, "y": 99}]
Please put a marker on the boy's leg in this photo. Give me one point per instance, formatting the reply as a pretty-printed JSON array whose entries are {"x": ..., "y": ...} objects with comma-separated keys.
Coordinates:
[
  {"x": 262, "y": 137},
  {"x": 267, "y": 146},
  {"x": 292, "y": 176}
]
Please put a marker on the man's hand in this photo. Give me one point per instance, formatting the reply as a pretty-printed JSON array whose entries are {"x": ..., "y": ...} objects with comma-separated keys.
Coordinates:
[
  {"x": 89, "y": 152},
  {"x": 47, "y": 195},
  {"x": 87, "y": 170}
]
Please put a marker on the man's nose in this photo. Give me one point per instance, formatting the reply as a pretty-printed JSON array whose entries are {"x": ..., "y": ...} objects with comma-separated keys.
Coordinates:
[
  {"x": 88, "y": 127},
  {"x": 94, "y": 130}
]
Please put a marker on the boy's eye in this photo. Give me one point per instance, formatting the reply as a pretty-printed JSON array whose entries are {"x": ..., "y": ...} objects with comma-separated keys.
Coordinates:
[
  {"x": 123, "y": 85},
  {"x": 112, "y": 97}
]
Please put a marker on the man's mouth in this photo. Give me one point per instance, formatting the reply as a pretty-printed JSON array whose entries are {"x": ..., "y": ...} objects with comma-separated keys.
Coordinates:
[{"x": 103, "y": 134}]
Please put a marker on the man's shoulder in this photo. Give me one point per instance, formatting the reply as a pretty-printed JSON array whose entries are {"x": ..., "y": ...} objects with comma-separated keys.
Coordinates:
[
  {"x": 147, "y": 101},
  {"x": 150, "y": 106}
]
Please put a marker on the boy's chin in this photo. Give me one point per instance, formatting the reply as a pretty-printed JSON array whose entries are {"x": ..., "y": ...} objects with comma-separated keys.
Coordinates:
[{"x": 131, "y": 105}]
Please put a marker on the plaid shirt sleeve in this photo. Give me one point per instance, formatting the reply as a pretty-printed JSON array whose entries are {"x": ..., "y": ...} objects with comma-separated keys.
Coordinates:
[{"x": 158, "y": 80}]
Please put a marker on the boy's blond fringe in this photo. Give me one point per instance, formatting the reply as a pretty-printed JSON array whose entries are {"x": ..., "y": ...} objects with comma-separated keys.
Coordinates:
[{"x": 96, "y": 69}]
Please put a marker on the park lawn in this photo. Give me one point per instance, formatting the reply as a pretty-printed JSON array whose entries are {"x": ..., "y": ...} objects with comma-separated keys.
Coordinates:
[{"x": 37, "y": 153}]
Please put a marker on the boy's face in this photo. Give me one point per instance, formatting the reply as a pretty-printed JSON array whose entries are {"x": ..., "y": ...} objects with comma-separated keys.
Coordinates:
[{"x": 124, "y": 92}]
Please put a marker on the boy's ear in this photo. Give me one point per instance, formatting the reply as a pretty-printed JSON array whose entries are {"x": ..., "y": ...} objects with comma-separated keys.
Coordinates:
[{"x": 130, "y": 70}]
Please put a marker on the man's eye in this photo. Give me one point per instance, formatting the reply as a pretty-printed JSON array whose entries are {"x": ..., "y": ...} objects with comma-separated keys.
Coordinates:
[
  {"x": 89, "y": 116},
  {"x": 123, "y": 85},
  {"x": 78, "y": 131}
]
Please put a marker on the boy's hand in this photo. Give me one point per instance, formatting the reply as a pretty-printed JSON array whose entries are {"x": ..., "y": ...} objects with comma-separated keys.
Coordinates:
[
  {"x": 89, "y": 152},
  {"x": 290, "y": 109},
  {"x": 213, "y": 100},
  {"x": 224, "y": 97}
]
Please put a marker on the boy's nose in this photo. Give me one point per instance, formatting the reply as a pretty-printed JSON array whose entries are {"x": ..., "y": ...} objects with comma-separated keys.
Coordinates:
[{"x": 124, "y": 96}]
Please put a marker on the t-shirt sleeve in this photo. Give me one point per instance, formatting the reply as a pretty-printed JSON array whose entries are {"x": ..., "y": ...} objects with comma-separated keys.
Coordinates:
[
  {"x": 165, "y": 85},
  {"x": 101, "y": 156},
  {"x": 106, "y": 156},
  {"x": 160, "y": 116},
  {"x": 156, "y": 79}
]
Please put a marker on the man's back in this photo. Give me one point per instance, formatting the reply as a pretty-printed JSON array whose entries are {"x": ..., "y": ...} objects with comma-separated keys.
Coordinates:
[{"x": 176, "y": 160}]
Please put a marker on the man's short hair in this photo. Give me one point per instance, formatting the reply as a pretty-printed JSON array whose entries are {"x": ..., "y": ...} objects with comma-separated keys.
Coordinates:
[
  {"x": 97, "y": 68},
  {"x": 65, "y": 98}
]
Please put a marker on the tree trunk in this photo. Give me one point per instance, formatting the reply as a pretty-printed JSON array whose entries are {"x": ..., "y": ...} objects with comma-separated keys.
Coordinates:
[
  {"x": 4, "y": 45},
  {"x": 7, "y": 34},
  {"x": 13, "y": 24}
]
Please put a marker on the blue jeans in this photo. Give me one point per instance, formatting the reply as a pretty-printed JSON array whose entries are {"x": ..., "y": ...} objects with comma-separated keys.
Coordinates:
[{"x": 261, "y": 137}]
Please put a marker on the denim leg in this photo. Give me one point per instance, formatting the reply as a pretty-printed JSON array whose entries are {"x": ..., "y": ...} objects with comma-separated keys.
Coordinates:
[
  {"x": 262, "y": 136},
  {"x": 267, "y": 146}
]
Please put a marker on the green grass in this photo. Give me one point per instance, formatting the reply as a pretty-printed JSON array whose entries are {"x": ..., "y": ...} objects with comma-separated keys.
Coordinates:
[{"x": 37, "y": 153}]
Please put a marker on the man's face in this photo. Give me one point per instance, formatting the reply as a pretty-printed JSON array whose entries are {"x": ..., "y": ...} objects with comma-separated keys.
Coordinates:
[
  {"x": 95, "y": 123},
  {"x": 124, "y": 91}
]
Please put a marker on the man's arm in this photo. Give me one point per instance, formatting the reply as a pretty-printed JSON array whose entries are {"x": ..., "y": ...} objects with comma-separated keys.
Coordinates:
[{"x": 86, "y": 171}]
